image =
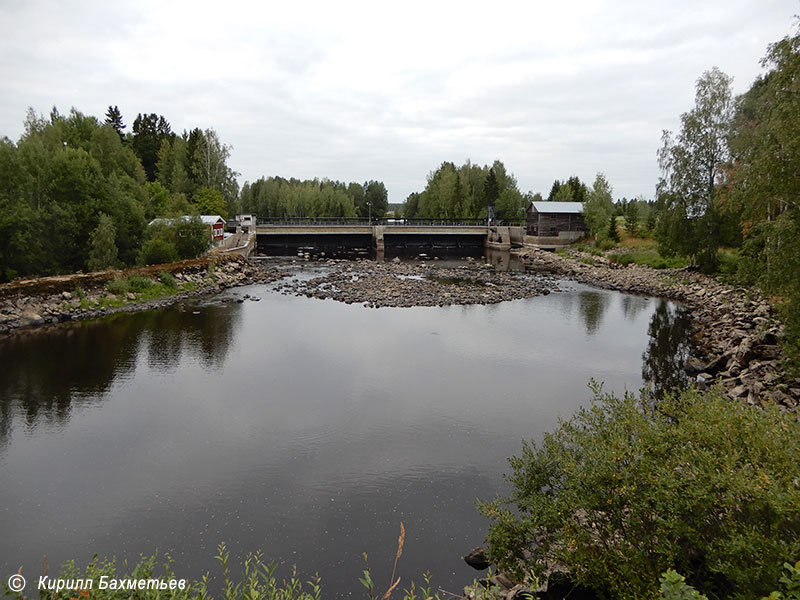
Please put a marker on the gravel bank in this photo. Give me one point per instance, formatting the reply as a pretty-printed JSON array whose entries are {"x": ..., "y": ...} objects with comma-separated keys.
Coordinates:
[{"x": 49, "y": 300}]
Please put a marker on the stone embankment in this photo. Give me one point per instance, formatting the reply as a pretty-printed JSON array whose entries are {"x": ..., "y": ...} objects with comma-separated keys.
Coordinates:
[
  {"x": 398, "y": 284},
  {"x": 80, "y": 296},
  {"x": 735, "y": 330}
]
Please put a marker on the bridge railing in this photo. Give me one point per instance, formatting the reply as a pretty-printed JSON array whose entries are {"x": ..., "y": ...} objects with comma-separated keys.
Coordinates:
[{"x": 363, "y": 221}]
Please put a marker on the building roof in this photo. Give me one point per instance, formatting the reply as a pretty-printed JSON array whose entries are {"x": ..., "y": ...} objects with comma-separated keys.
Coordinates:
[{"x": 558, "y": 207}]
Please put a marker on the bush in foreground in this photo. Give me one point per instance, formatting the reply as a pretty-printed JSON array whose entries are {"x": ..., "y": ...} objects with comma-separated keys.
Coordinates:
[{"x": 621, "y": 493}]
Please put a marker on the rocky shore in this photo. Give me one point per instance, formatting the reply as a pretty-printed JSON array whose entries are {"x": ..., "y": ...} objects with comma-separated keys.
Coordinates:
[
  {"x": 735, "y": 331},
  {"x": 47, "y": 300},
  {"x": 406, "y": 284}
]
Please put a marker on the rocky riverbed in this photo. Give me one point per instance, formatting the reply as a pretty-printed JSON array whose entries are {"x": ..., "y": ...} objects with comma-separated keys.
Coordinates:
[
  {"x": 48, "y": 300},
  {"x": 405, "y": 284}
]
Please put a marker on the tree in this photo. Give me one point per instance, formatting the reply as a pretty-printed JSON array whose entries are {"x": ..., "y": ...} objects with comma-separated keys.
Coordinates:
[
  {"x": 411, "y": 206},
  {"x": 103, "y": 252},
  {"x": 693, "y": 169},
  {"x": 613, "y": 232},
  {"x": 598, "y": 206},
  {"x": 192, "y": 237},
  {"x": 114, "y": 119},
  {"x": 148, "y": 133},
  {"x": 764, "y": 185},
  {"x": 554, "y": 190},
  {"x": 376, "y": 199},
  {"x": 491, "y": 188},
  {"x": 632, "y": 218},
  {"x": 209, "y": 201},
  {"x": 158, "y": 251},
  {"x": 578, "y": 188},
  {"x": 563, "y": 194}
]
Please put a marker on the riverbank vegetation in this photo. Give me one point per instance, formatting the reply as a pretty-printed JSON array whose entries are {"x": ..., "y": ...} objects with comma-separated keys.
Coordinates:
[
  {"x": 625, "y": 490},
  {"x": 77, "y": 193}
]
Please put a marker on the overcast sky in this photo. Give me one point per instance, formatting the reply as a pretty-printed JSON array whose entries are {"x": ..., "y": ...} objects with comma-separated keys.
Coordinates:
[{"x": 376, "y": 90}]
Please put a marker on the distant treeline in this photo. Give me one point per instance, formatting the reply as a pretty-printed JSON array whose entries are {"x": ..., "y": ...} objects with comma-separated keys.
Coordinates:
[
  {"x": 465, "y": 192},
  {"x": 279, "y": 198}
]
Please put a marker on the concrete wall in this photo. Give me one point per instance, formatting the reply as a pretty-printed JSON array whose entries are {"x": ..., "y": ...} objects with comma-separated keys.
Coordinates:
[{"x": 564, "y": 238}]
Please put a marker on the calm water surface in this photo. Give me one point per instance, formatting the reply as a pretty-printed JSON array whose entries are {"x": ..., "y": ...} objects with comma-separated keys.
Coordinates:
[{"x": 308, "y": 429}]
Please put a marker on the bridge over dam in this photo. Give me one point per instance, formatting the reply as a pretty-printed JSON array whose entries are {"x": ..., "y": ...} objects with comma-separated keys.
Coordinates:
[{"x": 276, "y": 237}]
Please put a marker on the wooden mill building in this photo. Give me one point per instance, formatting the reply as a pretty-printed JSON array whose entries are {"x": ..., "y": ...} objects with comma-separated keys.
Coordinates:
[
  {"x": 555, "y": 223},
  {"x": 551, "y": 218}
]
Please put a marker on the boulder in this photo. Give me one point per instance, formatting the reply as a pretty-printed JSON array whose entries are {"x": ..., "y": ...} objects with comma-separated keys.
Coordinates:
[
  {"x": 30, "y": 318},
  {"x": 477, "y": 559},
  {"x": 768, "y": 351}
]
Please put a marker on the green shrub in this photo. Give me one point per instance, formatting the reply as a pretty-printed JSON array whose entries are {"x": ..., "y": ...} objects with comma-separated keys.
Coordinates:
[
  {"x": 674, "y": 587},
  {"x": 622, "y": 259},
  {"x": 167, "y": 279},
  {"x": 605, "y": 244},
  {"x": 650, "y": 258},
  {"x": 157, "y": 252},
  {"x": 727, "y": 263},
  {"x": 118, "y": 286},
  {"x": 621, "y": 492},
  {"x": 137, "y": 283}
]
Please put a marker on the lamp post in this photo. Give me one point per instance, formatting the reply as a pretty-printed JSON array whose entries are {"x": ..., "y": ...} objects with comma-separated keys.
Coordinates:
[{"x": 369, "y": 208}]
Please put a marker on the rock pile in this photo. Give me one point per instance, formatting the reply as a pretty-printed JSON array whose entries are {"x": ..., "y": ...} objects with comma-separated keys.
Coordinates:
[{"x": 418, "y": 284}]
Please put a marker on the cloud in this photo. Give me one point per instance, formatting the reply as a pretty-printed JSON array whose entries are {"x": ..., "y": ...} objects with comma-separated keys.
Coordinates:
[{"x": 360, "y": 90}]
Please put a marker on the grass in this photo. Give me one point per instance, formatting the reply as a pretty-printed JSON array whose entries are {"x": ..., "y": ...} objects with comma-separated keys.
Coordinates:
[
  {"x": 629, "y": 241},
  {"x": 650, "y": 258},
  {"x": 257, "y": 580},
  {"x": 145, "y": 289}
]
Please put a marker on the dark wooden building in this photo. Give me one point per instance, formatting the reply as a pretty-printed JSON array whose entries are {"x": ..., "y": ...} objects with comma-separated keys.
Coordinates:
[{"x": 556, "y": 219}]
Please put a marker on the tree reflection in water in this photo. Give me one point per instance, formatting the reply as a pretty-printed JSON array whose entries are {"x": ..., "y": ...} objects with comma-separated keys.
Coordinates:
[
  {"x": 667, "y": 350},
  {"x": 592, "y": 307},
  {"x": 47, "y": 372}
]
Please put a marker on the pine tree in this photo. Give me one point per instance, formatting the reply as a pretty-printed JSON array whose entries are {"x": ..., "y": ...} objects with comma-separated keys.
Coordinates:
[
  {"x": 613, "y": 234},
  {"x": 114, "y": 118},
  {"x": 632, "y": 218}
]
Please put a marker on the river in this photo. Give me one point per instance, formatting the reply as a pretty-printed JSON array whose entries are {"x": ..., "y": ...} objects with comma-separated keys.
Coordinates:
[{"x": 307, "y": 429}]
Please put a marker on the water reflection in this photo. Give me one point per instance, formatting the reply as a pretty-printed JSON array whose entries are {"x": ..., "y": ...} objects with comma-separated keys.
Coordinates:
[
  {"x": 592, "y": 307},
  {"x": 503, "y": 260},
  {"x": 667, "y": 350},
  {"x": 47, "y": 371},
  {"x": 633, "y": 305},
  {"x": 205, "y": 332}
]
